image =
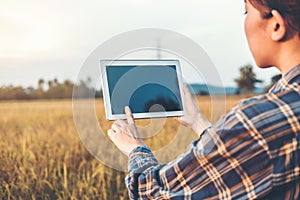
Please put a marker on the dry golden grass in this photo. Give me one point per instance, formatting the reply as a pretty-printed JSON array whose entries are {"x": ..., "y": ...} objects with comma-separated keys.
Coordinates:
[{"x": 42, "y": 157}]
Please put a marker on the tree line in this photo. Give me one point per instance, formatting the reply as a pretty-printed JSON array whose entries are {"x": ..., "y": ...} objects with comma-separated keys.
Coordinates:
[{"x": 53, "y": 89}]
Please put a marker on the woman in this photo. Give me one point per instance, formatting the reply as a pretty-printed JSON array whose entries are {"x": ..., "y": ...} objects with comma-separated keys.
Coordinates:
[{"x": 256, "y": 149}]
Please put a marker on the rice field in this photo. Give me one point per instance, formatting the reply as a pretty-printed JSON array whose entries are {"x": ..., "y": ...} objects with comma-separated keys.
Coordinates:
[{"x": 43, "y": 157}]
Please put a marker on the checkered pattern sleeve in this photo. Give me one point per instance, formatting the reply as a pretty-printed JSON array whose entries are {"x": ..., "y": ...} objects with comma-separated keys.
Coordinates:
[
  {"x": 208, "y": 169},
  {"x": 253, "y": 153}
]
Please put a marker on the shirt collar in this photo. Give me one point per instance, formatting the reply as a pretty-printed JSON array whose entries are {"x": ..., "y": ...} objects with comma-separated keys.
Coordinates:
[{"x": 289, "y": 78}]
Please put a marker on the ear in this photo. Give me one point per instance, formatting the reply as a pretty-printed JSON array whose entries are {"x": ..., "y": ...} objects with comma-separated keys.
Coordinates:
[{"x": 278, "y": 26}]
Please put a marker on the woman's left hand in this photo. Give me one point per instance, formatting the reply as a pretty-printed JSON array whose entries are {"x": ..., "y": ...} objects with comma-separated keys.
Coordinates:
[{"x": 125, "y": 134}]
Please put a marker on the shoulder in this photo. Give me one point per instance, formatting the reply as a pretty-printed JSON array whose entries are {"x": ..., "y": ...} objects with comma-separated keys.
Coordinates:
[
  {"x": 270, "y": 116},
  {"x": 269, "y": 102},
  {"x": 263, "y": 112}
]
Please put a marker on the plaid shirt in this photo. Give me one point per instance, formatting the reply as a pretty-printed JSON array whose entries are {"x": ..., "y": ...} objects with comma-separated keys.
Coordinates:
[{"x": 252, "y": 153}]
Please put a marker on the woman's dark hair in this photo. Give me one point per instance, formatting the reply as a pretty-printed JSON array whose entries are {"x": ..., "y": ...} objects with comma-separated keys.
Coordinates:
[{"x": 289, "y": 10}]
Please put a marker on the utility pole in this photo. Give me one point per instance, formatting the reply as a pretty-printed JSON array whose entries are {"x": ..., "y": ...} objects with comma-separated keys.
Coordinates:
[{"x": 158, "y": 49}]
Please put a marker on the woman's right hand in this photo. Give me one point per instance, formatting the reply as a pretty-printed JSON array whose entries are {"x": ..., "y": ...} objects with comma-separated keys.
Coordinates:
[{"x": 193, "y": 118}]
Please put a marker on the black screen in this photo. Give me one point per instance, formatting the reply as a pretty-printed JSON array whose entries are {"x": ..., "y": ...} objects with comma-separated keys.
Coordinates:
[{"x": 143, "y": 88}]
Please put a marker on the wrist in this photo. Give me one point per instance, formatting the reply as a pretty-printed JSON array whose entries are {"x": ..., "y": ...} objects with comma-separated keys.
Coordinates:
[
  {"x": 140, "y": 148},
  {"x": 200, "y": 124}
]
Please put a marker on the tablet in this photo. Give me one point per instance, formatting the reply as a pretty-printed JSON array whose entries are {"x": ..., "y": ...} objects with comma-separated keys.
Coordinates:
[{"x": 151, "y": 88}]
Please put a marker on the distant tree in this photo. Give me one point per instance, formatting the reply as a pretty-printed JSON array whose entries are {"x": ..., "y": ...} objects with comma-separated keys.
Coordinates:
[
  {"x": 274, "y": 79},
  {"x": 89, "y": 80},
  {"x": 99, "y": 93},
  {"x": 55, "y": 90},
  {"x": 68, "y": 83},
  {"x": 67, "y": 89},
  {"x": 55, "y": 81},
  {"x": 202, "y": 93},
  {"x": 82, "y": 90},
  {"x": 50, "y": 84},
  {"x": 59, "y": 90},
  {"x": 19, "y": 93},
  {"x": 247, "y": 80},
  {"x": 41, "y": 83}
]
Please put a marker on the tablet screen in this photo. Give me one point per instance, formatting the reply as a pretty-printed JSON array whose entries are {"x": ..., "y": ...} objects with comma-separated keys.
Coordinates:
[{"x": 151, "y": 89}]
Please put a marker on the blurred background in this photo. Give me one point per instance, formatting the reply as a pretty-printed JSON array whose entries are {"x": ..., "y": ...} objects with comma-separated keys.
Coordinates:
[
  {"x": 51, "y": 39},
  {"x": 43, "y": 45}
]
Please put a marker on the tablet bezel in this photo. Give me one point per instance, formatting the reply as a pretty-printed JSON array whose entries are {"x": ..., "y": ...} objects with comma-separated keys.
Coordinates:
[{"x": 106, "y": 96}]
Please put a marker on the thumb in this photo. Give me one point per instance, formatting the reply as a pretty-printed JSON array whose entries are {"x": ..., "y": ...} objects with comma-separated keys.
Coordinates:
[
  {"x": 187, "y": 92},
  {"x": 111, "y": 134}
]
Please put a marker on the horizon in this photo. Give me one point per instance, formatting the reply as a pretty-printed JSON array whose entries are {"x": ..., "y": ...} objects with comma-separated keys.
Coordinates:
[{"x": 52, "y": 39}]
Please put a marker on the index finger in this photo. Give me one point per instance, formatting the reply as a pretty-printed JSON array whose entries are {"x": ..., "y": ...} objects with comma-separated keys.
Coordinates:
[{"x": 129, "y": 116}]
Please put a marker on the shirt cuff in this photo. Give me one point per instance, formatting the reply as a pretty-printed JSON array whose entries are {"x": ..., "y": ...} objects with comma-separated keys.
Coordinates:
[{"x": 141, "y": 158}]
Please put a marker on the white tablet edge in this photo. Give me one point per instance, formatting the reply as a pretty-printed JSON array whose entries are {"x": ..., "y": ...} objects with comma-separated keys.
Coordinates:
[{"x": 106, "y": 97}]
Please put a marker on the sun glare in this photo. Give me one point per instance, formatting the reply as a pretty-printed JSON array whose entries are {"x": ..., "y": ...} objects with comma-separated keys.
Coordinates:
[{"x": 25, "y": 36}]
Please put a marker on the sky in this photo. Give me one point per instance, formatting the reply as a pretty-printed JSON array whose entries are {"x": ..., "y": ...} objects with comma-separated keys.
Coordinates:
[{"x": 52, "y": 38}]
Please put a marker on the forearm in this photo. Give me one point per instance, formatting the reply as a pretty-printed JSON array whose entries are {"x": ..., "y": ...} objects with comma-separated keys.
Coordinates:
[
  {"x": 197, "y": 173},
  {"x": 149, "y": 180},
  {"x": 140, "y": 161}
]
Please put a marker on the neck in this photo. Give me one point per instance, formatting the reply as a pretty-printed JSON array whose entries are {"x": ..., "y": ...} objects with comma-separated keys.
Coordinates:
[{"x": 289, "y": 55}]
